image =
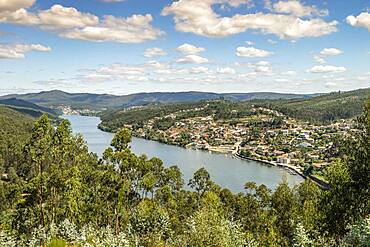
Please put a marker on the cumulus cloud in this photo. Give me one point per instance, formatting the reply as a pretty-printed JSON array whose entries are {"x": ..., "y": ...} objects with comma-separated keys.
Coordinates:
[
  {"x": 362, "y": 20},
  {"x": 296, "y": 8},
  {"x": 198, "y": 70},
  {"x": 154, "y": 52},
  {"x": 13, "y": 5},
  {"x": 330, "y": 52},
  {"x": 192, "y": 59},
  {"x": 198, "y": 17},
  {"x": 70, "y": 23},
  {"x": 237, "y": 3},
  {"x": 19, "y": 50},
  {"x": 289, "y": 73},
  {"x": 320, "y": 58},
  {"x": 252, "y": 52},
  {"x": 226, "y": 70},
  {"x": 326, "y": 69},
  {"x": 189, "y": 49}
]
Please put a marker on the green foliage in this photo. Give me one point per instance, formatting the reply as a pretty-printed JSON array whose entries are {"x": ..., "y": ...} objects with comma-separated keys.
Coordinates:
[
  {"x": 121, "y": 140},
  {"x": 325, "y": 108},
  {"x": 348, "y": 198},
  {"x": 359, "y": 234},
  {"x": 55, "y": 193}
]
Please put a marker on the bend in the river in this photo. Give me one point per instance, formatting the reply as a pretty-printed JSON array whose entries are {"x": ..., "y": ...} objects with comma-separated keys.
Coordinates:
[{"x": 226, "y": 170}]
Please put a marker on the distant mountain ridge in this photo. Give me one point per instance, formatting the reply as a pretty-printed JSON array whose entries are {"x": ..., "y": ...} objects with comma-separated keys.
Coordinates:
[{"x": 99, "y": 101}]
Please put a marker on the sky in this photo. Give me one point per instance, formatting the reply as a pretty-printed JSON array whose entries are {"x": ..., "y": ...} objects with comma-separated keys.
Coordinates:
[{"x": 129, "y": 46}]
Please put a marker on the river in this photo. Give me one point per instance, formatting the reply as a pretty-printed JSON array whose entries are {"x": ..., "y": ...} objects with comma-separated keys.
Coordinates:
[{"x": 226, "y": 170}]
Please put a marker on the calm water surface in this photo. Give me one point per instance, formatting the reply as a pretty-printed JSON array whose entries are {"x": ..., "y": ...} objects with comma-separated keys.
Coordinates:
[{"x": 225, "y": 170}]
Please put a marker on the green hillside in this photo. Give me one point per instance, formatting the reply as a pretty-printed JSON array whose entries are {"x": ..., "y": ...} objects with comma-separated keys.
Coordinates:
[
  {"x": 320, "y": 109},
  {"x": 28, "y": 108},
  {"x": 325, "y": 108},
  {"x": 14, "y": 130}
]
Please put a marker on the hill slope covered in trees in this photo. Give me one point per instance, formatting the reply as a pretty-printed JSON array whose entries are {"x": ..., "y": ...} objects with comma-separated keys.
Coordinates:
[
  {"x": 27, "y": 107},
  {"x": 324, "y": 108},
  {"x": 320, "y": 109}
]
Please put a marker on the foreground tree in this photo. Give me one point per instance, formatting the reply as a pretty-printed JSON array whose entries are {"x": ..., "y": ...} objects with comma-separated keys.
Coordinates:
[{"x": 347, "y": 201}]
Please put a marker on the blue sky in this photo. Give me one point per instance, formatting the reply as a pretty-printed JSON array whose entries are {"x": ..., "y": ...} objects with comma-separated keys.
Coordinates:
[{"x": 130, "y": 46}]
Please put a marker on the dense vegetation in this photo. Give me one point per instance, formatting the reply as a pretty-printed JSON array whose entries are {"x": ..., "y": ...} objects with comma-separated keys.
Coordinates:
[
  {"x": 54, "y": 193},
  {"x": 221, "y": 109},
  {"x": 14, "y": 131},
  {"x": 320, "y": 109},
  {"x": 28, "y": 108},
  {"x": 325, "y": 108}
]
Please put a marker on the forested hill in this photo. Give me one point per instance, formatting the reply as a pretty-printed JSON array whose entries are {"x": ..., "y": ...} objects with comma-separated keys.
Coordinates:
[
  {"x": 320, "y": 109},
  {"x": 15, "y": 128},
  {"x": 27, "y": 107},
  {"x": 324, "y": 108},
  {"x": 100, "y": 101}
]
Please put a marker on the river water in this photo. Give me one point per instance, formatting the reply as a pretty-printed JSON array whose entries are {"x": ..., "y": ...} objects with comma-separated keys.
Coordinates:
[{"x": 226, "y": 170}]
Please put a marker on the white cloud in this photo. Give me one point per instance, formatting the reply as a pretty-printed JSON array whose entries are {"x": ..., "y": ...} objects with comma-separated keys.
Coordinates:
[
  {"x": 59, "y": 17},
  {"x": 73, "y": 24},
  {"x": 296, "y": 8},
  {"x": 13, "y": 5},
  {"x": 189, "y": 49},
  {"x": 281, "y": 80},
  {"x": 326, "y": 69},
  {"x": 263, "y": 69},
  {"x": 226, "y": 70},
  {"x": 330, "y": 52},
  {"x": 237, "y": 3},
  {"x": 156, "y": 64},
  {"x": 198, "y": 70},
  {"x": 289, "y": 73},
  {"x": 252, "y": 52},
  {"x": 19, "y": 50},
  {"x": 320, "y": 58},
  {"x": 134, "y": 29},
  {"x": 263, "y": 63},
  {"x": 192, "y": 59},
  {"x": 362, "y": 20},
  {"x": 198, "y": 17},
  {"x": 250, "y": 43},
  {"x": 154, "y": 52}
]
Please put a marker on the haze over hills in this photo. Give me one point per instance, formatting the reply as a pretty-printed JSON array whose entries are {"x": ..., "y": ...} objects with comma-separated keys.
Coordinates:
[{"x": 100, "y": 101}]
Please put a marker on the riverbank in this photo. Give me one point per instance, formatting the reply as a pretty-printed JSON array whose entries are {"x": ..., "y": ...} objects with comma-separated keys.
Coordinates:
[
  {"x": 295, "y": 169},
  {"x": 322, "y": 184},
  {"x": 232, "y": 150},
  {"x": 226, "y": 170}
]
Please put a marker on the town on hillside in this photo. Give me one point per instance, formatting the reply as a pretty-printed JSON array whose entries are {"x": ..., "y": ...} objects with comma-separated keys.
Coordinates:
[{"x": 267, "y": 136}]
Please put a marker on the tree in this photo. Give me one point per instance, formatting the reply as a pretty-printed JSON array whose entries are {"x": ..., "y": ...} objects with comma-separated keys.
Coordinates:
[
  {"x": 38, "y": 151},
  {"x": 283, "y": 203},
  {"x": 201, "y": 181},
  {"x": 347, "y": 201},
  {"x": 121, "y": 140}
]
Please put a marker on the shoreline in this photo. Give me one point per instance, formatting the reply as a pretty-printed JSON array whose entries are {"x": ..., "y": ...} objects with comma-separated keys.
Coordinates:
[{"x": 292, "y": 170}]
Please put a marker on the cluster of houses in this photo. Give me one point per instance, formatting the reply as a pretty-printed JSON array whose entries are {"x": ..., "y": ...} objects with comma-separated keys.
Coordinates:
[{"x": 291, "y": 143}]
